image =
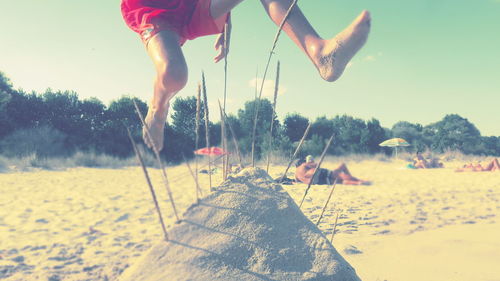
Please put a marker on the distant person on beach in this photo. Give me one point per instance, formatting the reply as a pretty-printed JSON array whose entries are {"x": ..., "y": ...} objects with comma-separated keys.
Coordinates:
[
  {"x": 165, "y": 25},
  {"x": 305, "y": 169},
  {"x": 420, "y": 162},
  {"x": 494, "y": 165}
]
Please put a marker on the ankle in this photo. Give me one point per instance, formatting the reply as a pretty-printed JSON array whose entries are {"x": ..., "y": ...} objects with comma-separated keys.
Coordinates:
[
  {"x": 314, "y": 48},
  {"x": 157, "y": 111}
]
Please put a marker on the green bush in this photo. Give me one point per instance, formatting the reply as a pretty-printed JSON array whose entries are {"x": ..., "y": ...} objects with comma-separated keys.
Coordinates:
[
  {"x": 41, "y": 141},
  {"x": 3, "y": 164},
  {"x": 314, "y": 146}
]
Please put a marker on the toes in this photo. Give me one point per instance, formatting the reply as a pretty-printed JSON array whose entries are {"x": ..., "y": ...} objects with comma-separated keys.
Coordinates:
[
  {"x": 365, "y": 15},
  {"x": 363, "y": 18}
]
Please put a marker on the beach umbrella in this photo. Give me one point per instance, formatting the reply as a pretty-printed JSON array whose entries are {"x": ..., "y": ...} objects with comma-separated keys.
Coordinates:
[
  {"x": 395, "y": 142},
  {"x": 210, "y": 151}
]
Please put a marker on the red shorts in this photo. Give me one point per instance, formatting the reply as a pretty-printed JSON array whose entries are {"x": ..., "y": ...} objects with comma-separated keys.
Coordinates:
[{"x": 190, "y": 19}]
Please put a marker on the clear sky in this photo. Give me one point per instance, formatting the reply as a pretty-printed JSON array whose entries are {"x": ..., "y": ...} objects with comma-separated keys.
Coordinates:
[{"x": 424, "y": 58}]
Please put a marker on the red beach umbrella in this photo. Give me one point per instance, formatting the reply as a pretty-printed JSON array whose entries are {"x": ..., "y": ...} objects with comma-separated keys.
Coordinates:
[{"x": 210, "y": 151}]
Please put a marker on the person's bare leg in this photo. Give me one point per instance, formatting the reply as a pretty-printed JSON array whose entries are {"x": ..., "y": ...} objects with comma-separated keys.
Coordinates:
[
  {"x": 330, "y": 56},
  {"x": 219, "y": 8},
  {"x": 340, "y": 170},
  {"x": 492, "y": 166},
  {"x": 350, "y": 180},
  {"x": 496, "y": 165},
  {"x": 171, "y": 77},
  {"x": 343, "y": 168}
]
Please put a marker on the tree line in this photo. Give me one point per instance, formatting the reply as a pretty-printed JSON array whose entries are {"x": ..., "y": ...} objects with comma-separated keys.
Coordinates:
[{"x": 59, "y": 123}]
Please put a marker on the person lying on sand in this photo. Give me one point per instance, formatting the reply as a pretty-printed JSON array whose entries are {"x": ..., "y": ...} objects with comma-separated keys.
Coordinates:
[
  {"x": 306, "y": 168},
  {"x": 494, "y": 165},
  {"x": 165, "y": 25}
]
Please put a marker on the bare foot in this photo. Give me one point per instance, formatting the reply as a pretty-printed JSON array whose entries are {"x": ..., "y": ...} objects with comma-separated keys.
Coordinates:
[
  {"x": 356, "y": 182},
  {"x": 362, "y": 182},
  {"x": 336, "y": 53},
  {"x": 155, "y": 124}
]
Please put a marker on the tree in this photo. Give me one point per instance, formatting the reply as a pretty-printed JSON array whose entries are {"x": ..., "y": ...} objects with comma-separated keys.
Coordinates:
[
  {"x": 5, "y": 90},
  {"x": 350, "y": 135},
  {"x": 491, "y": 145},
  {"x": 5, "y": 96},
  {"x": 295, "y": 126},
  {"x": 246, "y": 120},
  {"x": 112, "y": 137},
  {"x": 24, "y": 111},
  {"x": 374, "y": 136},
  {"x": 92, "y": 121},
  {"x": 184, "y": 117},
  {"x": 322, "y": 127},
  {"x": 412, "y": 133},
  {"x": 454, "y": 132},
  {"x": 312, "y": 146},
  {"x": 62, "y": 112}
]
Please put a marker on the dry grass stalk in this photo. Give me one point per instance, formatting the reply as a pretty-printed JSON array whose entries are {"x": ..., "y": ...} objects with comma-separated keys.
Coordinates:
[
  {"x": 256, "y": 84},
  {"x": 233, "y": 135},
  {"x": 148, "y": 180},
  {"x": 225, "y": 162},
  {"x": 197, "y": 128},
  {"x": 256, "y": 108},
  {"x": 158, "y": 159},
  {"x": 207, "y": 132},
  {"x": 225, "y": 63},
  {"x": 317, "y": 168},
  {"x": 198, "y": 189},
  {"x": 334, "y": 227},
  {"x": 306, "y": 132},
  {"x": 283, "y": 21},
  {"x": 327, "y": 201},
  {"x": 223, "y": 141},
  {"x": 256, "y": 96},
  {"x": 276, "y": 88}
]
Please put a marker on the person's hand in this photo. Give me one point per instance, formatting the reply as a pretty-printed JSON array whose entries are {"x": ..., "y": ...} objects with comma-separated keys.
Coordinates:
[{"x": 221, "y": 48}]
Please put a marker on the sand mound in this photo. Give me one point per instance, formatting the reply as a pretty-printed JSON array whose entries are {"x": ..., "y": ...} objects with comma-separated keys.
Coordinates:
[{"x": 248, "y": 229}]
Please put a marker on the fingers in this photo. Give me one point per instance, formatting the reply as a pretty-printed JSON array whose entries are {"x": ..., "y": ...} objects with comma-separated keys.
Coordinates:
[
  {"x": 222, "y": 53},
  {"x": 219, "y": 57},
  {"x": 218, "y": 44},
  {"x": 219, "y": 41}
]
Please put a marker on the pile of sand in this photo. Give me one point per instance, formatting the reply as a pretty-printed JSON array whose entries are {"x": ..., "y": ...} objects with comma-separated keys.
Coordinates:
[{"x": 248, "y": 229}]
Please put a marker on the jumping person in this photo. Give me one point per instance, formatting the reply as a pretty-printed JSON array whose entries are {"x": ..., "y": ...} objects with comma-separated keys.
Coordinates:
[{"x": 165, "y": 25}]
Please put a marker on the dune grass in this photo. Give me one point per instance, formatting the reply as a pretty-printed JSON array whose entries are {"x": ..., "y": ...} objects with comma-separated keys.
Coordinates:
[
  {"x": 79, "y": 159},
  {"x": 92, "y": 159}
]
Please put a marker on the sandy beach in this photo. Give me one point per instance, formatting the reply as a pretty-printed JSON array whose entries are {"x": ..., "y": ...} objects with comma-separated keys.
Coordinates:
[{"x": 91, "y": 224}]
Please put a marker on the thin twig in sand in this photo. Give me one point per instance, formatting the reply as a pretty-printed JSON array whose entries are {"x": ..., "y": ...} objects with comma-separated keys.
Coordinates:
[
  {"x": 148, "y": 180},
  {"x": 327, "y": 201},
  {"x": 198, "y": 189},
  {"x": 256, "y": 83},
  {"x": 158, "y": 159},
  {"x": 294, "y": 3},
  {"x": 224, "y": 144},
  {"x": 225, "y": 163},
  {"x": 317, "y": 168},
  {"x": 296, "y": 151},
  {"x": 233, "y": 135},
  {"x": 276, "y": 87},
  {"x": 334, "y": 227},
  {"x": 207, "y": 132},
  {"x": 197, "y": 129}
]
